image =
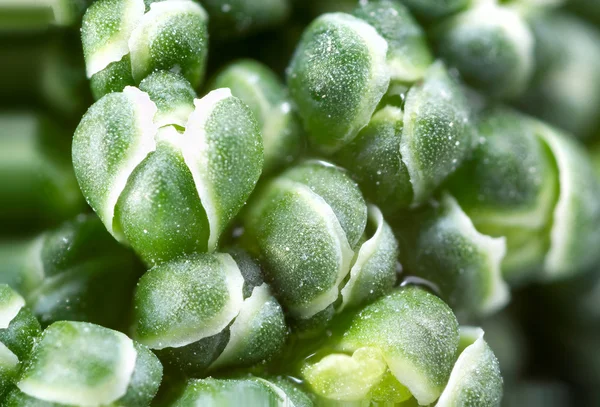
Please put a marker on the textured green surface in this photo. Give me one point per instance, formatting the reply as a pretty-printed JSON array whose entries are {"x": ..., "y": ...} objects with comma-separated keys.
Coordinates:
[
  {"x": 249, "y": 391},
  {"x": 232, "y": 160},
  {"x": 325, "y": 209},
  {"x": 513, "y": 189},
  {"x": 173, "y": 95},
  {"x": 164, "y": 191},
  {"x": 124, "y": 41},
  {"x": 112, "y": 138},
  {"x": 334, "y": 259},
  {"x": 258, "y": 87},
  {"x": 171, "y": 36},
  {"x": 374, "y": 270},
  {"x": 257, "y": 334},
  {"x": 491, "y": 46},
  {"x": 76, "y": 362},
  {"x": 305, "y": 265},
  {"x": 475, "y": 380},
  {"x": 442, "y": 245},
  {"x": 374, "y": 160},
  {"x": 194, "y": 311},
  {"x": 114, "y": 78},
  {"x": 410, "y": 331},
  {"x": 338, "y": 191},
  {"x": 403, "y": 155},
  {"x": 438, "y": 131},
  {"x": 408, "y": 54},
  {"x": 183, "y": 301},
  {"x": 106, "y": 27},
  {"x": 159, "y": 210},
  {"x": 81, "y": 274},
  {"x": 336, "y": 78}
]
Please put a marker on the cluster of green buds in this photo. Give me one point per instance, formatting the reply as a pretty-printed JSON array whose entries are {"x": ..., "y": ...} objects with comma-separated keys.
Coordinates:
[
  {"x": 327, "y": 240},
  {"x": 126, "y": 40},
  {"x": 346, "y": 68},
  {"x": 343, "y": 65},
  {"x": 537, "y": 187},
  {"x": 404, "y": 347},
  {"x": 490, "y": 43},
  {"x": 524, "y": 50},
  {"x": 529, "y": 212},
  {"x": 206, "y": 312},
  {"x": 422, "y": 130},
  {"x": 342, "y": 252},
  {"x": 167, "y": 175}
]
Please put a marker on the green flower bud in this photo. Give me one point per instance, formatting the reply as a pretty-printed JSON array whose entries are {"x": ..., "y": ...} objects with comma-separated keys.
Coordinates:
[
  {"x": 537, "y": 187},
  {"x": 402, "y": 156},
  {"x": 437, "y": 130},
  {"x": 441, "y": 245},
  {"x": 249, "y": 390},
  {"x": 194, "y": 312},
  {"x": 38, "y": 186},
  {"x": 401, "y": 346},
  {"x": 76, "y": 272},
  {"x": 337, "y": 77},
  {"x": 18, "y": 331},
  {"x": 82, "y": 364},
  {"x": 239, "y": 18},
  {"x": 257, "y": 86},
  {"x": 565, "y": 88},
  {"x": 123, "y": 44},
  {"x": 164, "y": 191},
  {"x": 475, "y": 379},
  {"x": 341, "y": 253},
  {"x": 408, "y": 54},
  {"x": 491, "y": 46},
  {"x": 512, "y": 189}
]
